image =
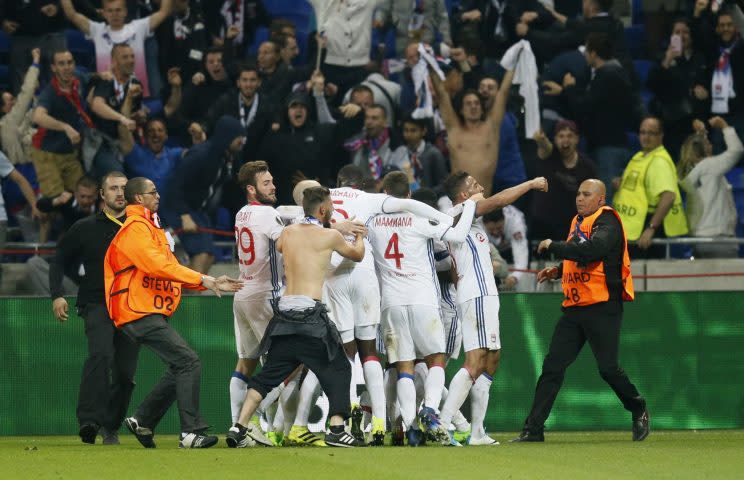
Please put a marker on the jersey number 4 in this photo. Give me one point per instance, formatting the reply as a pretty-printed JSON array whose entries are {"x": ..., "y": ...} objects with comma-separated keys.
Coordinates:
[
  {"x": 246, "y": 249},
  {"x": 392, "y": 253}
]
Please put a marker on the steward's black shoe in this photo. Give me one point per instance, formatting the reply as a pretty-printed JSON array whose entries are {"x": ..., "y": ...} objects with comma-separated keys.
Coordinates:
[
  {"x": 641, "y": 428},
  {"x": 342, "y": 439},
  {"x": 144, "y": 435},
  {"x": 88, "y": 432},
  {"x": 528, "y": 436}
]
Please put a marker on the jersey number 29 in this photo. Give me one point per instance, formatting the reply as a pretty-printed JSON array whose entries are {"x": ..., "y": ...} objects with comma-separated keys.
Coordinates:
[{"x": 246, "y": 249}]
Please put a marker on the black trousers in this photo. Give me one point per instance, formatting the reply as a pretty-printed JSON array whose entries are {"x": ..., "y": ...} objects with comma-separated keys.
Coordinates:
[
  {"x": 108, "y": 373},
  {"x": 287, "y": 352},
  {"x": 181, "y": 381},
  {"x": 576, "y": 327}
]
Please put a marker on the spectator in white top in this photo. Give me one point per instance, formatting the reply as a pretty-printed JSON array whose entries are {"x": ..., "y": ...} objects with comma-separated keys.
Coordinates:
[
  {"x": 15, "y": 119},
  {"x": 508, "y": 232},
  {"x": 711, "y": 211},
  {"x": 115, "y": 30},
  {"x": 417, "y": 21},
  {"x": 347, "y": 26}
]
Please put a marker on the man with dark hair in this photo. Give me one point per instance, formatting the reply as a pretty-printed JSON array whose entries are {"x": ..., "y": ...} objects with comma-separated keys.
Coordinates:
[
  {"x": 139, "y": 302},
  {"x": 252, "y": 110},
  {"x": 301, "y": 332},
  {"x": 155, "y": 159},
  {"x": 604, "y": 110},
  {"x": 371, "y": 149},
  {"x": 472, "y": 136},
  {"x": 411, "y": 323},
  {"x": 196, "y": 186},
  {"x": 420, "y": 160},
  {"x": 477, "y": 301},
  {"x": 108, "y": 372},
  {"x": 61, "y": 117}
]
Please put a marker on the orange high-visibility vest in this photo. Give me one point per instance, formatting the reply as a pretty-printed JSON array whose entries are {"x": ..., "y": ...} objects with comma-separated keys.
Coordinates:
[
  {"x": 141, "y": 274},
  {"x": 587, "y": 285}
]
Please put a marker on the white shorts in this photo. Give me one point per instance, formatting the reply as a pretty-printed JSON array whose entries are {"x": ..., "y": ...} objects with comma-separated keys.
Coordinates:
[
  {"x": 353, "y": 299},
  {"x": 480, "y": 323},
  {"x": 452, "y": 327},
  {"x": 251, "y": 318},
  {"x": 412, "y": 331}
]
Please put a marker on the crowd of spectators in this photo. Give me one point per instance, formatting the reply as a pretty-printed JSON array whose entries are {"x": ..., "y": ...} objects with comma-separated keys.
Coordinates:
[{"x": 186, "y": 91}]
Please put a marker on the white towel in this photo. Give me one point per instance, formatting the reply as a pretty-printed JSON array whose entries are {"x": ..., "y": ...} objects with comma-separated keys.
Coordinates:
[
  {"x": 520, "y": 59},
  {"x": 420, "y": 75}
]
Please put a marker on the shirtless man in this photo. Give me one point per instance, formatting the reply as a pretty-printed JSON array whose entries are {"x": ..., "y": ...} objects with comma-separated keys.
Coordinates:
[
  {"x": 472, "y": 138},
  {"x": 301, "y": 332}
]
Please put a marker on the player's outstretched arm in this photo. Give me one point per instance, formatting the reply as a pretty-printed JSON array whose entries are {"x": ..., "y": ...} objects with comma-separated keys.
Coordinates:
[
  {"x": 510, "y": 195},
  {"x": 459, "y": 232},
  {"x": 354, "y": 252},
  {"x": 395, "y": 205}
]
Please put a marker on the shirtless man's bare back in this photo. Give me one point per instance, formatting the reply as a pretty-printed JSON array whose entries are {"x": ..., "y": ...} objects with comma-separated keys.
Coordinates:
[{"x": 301, "y": 332}]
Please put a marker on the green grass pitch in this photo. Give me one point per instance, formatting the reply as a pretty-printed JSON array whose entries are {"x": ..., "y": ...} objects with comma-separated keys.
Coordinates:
[{"x": 707, "y": 455}]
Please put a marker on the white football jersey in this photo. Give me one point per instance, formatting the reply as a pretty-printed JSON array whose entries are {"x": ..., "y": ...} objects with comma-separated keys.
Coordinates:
[
  {"x": 352, "y": 203},
  {"x": 472, "y": 260},
  {"x": 257, "y": 227},
  {"x": 403, "y": 250}
]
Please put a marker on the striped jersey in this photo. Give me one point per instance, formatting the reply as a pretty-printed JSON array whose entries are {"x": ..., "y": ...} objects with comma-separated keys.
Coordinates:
[
  {"x": 257, "y": 228},
  {"x": 402, "y": 245},
  {"x": 472, "y": 259}
]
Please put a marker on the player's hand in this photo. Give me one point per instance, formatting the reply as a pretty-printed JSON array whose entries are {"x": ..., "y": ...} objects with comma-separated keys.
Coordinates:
[
  {"x": 544, "y": 245},
  {"x": 645, "y": 240},
  {"x": 509, "y": 283},
  {"x": 550, "y": 273},
  {"x": 36, "y": 55},
  {"x": 350, "y": 227},
  {"x": 717, "y": 122},
  {"x": 552, "y": 88},
  {"x": 227, "y": 284},
  {"x": 540, "y": 184},
  {"x": 72, "y": 134},
  {"x": 174, "y": 77},
  {"x": 60, "y": 308},
  {"x": 187, "y": 224}
]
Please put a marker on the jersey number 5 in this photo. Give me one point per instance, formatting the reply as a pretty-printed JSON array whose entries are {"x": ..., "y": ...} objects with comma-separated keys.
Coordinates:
[
  {"x": 341, "y": 211},
  {"x": 246, "y": 249},
  {"x": 392, "y": 253}
]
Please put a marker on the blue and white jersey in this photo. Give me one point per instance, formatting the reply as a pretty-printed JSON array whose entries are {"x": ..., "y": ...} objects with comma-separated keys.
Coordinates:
[{"x": 472, "y": 260}]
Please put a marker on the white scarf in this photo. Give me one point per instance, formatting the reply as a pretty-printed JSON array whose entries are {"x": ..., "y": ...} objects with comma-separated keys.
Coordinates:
[
  {"x": 722, "y": 83},
  {"x": 420, "y": 74},
  {"x": 236, "y": 19},
  {"x": 246, "y": 121},
  {"x": 520, "y": 59}
]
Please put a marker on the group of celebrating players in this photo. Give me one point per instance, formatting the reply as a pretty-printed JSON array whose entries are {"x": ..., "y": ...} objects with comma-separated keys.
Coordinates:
[{"x": 423, "y": 289}]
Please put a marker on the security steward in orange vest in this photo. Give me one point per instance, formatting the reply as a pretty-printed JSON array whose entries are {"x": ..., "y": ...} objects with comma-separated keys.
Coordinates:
[
  {"x": 596, "y": 281},
  {"x": 144, "y": 282}
]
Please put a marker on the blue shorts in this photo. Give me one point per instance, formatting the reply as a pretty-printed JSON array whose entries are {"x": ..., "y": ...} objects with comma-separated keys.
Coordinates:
[{"x": 193, "y": 243}]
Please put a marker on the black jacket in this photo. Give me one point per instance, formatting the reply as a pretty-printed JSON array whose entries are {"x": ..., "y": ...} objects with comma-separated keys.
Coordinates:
[
  {"x": 203, "y": 167},
  {"x": 606, "y": 244},
  {"x": 606, "y": 109},
  {"x": 85, "y": 242},
  {"x": 229, "y": 105},
  {"x": 187, "y": 52}
]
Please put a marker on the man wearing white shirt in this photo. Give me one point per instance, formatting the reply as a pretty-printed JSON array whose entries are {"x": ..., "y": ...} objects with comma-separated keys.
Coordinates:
[{"x": 116, "y": 30}]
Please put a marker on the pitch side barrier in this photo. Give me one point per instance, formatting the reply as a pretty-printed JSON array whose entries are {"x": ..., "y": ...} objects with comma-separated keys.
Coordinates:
[{"x": 682, "y": 349}]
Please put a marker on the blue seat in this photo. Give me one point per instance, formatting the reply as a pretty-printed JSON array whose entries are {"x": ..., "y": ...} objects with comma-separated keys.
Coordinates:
[
  {"x": 154, "y": 105},
  {"x": 735, "y": 176},
  {"x": 637, "y": 12},
  {"x": 635, "y": 39},
  {"x": 277, "y": 7},
  {"x": 81, "y": 48},
  {"x": 262, "y": 34},
  {"x": 642, "y": 68}
]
